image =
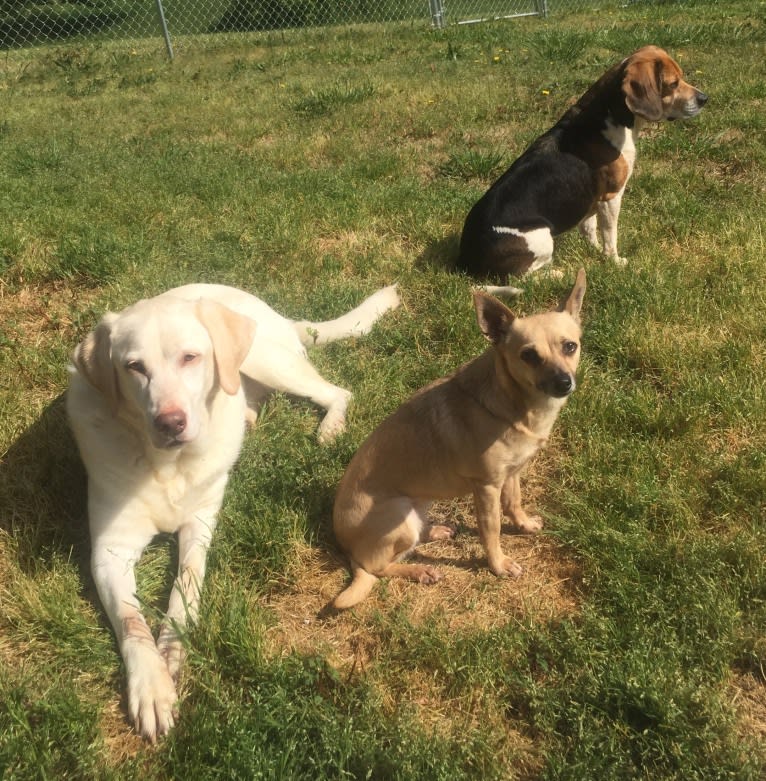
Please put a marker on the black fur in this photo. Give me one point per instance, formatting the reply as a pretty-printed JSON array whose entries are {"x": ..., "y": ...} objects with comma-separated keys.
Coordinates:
[{"x": 553, "y": 184}]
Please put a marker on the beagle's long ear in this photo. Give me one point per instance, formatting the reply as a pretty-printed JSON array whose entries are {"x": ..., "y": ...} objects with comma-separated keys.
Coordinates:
[
  {"x": 232, "y": 335},
  {"x": 493, "y": 316},
  {"x": 93, "y": 359},
  {"x": 642, "y": 87},
  {"x": 573, "y": 303}
]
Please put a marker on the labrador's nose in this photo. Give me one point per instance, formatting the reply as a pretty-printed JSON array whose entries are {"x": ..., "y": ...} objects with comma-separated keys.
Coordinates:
[{"x": 171, "y": 422}]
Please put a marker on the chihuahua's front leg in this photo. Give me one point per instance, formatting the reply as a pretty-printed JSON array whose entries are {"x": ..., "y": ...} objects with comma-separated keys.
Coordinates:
[
  {"x": 488, "y": 517},
  {"x": 511, "y": 503}
]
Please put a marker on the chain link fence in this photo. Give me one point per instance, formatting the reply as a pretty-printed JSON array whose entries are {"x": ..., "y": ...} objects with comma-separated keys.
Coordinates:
[{"x": 33, "y": 22}]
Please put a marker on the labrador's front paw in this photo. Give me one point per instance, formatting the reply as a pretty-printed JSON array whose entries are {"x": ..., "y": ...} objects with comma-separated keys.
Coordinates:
[{"x": 152, "y": 694}]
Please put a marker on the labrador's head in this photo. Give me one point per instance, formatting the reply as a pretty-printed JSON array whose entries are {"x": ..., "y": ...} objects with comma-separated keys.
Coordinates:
[{"x": 162, "y": 360}]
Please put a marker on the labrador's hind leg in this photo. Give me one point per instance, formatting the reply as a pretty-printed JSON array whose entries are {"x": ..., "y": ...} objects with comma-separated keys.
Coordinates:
[{"x": 279, "y": 368}]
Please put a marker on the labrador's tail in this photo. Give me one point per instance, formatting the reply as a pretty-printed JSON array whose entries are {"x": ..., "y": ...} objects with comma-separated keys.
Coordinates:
[{"x": 357, "y": 322}]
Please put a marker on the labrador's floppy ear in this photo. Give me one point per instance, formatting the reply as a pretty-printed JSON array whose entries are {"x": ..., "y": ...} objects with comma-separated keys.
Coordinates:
[
  {"x": 642, "y": 87},
  {"x": 573, "y": 302},
  {"x": 232, "y": 335},
  {"x": 93, "y": 359},
  {"x": 493, "y": 316}
]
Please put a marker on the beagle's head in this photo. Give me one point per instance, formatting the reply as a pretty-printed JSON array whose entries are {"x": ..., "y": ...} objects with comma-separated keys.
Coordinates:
[{"x": 654, "y": 88}]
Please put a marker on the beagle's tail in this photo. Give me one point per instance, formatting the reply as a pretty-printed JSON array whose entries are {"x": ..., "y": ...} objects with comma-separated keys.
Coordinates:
[
  {"x": 359, "y": 588},
  {"x": 357, "y": 322}
]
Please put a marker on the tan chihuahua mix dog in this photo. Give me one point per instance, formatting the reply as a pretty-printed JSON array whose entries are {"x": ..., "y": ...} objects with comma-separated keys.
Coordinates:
[{"x": 470, "y": 432}]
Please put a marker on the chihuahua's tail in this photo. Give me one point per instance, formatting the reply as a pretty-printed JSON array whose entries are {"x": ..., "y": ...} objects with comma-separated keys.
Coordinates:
[
  {"x": 361, "y": 585},
  {"x": 357, "y": 322}
]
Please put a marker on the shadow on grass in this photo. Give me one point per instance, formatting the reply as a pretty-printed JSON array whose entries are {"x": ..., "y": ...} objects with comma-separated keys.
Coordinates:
[
  {"x": 43, "y": 492},
  {"x": 440, "y": 254},
  {"x": 49, "y": 24}
]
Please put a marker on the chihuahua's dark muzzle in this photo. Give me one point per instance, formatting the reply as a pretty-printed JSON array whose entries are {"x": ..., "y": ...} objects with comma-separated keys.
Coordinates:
[{"x": 559, "y": 384}]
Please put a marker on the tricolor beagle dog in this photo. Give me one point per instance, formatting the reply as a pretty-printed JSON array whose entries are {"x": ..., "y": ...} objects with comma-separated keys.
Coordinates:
[{"x": 575, "y": 174}]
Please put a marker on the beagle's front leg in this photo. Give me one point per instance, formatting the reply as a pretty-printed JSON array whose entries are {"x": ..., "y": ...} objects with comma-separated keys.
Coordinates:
[
  {"x": 588, "y": 230},
  {"x": 608, "y": 214}
]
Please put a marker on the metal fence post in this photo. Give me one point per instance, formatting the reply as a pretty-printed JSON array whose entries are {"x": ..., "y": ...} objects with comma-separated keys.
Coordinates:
[
  {"x": 164, "y": 26},
  {"x": 437, "y": 13}
]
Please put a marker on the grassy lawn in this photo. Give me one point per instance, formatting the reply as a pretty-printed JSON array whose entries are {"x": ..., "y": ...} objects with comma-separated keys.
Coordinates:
[{"x": 312, "y": 167}]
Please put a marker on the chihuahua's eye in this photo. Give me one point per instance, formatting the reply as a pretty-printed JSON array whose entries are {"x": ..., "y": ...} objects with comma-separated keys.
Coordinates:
[
  {"x": 137, "y": 367},
  {"x": 674, "y": 84},
  {"x": 190, "y": 358},
  {"x": 569, "y": 348},
  {"x": 531, "y": 356}
]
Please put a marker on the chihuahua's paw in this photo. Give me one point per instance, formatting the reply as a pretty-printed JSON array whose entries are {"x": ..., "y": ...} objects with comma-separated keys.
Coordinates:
[
  {"x": 437, "y": 532},
  {"x": 427, "y": 575},
  {"x": 529, "y": 525},
  {"x": 506, "y": 567}
]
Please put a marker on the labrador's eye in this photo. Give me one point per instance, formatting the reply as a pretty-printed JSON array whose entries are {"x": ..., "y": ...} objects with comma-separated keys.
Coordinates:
[
  {"x": 531, "y": 356},
  {"x": 137, "y": 367},
  {"x": 190, "y": 358},
  {"x": 570, "y": 348}
]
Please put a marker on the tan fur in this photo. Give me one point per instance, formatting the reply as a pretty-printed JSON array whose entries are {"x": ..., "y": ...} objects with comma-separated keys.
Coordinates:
[
  {"x": 653, "y": 86},
  {"x": 470, "y": 432}
]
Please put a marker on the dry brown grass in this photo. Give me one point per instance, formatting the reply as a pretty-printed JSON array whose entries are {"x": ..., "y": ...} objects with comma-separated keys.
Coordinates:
[
  {"x": 42, "y": 315},
  {"x": 469, "y": 598},
  {"x": 749, "y": 701}
]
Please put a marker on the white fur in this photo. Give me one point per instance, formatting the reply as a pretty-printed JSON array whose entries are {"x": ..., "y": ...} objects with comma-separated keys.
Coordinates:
[
  {"x": 142, "y": 481},
  {"x": 608, "y": 212},
  {"x": 538, "y": 240}
]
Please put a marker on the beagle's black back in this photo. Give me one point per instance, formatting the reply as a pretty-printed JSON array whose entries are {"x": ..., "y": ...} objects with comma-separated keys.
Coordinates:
[{"x": 554, "y": 184}]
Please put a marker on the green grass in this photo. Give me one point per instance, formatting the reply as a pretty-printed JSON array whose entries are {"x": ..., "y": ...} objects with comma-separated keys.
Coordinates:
[{"x": 313, "y": 167}]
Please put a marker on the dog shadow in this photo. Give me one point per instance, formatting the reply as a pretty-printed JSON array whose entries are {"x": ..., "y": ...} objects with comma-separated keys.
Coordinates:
[
  {"x": 43, "y": 493},
  {"x": 440, "y": 254}
]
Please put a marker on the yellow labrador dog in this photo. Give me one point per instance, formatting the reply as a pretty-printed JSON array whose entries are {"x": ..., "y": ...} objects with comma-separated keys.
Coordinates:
[
  {"x": 471, "y": 432},
  {"x": 158, "y": 409}
]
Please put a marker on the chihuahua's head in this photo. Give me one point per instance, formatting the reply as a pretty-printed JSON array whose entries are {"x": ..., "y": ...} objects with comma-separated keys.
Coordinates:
[{"x": 540, "y": 353}]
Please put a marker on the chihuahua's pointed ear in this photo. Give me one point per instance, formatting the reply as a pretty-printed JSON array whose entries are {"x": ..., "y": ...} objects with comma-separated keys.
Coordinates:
[
  {"x": 573, "y": 304},
  {"x": 493, "y": 316},
  {"x": 93, "y": 359}
]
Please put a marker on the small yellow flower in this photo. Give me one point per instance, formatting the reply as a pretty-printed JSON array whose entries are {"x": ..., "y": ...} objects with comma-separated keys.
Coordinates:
[
  {"x": 546, "y": 92},
  {"x": 496, "y": 58}
]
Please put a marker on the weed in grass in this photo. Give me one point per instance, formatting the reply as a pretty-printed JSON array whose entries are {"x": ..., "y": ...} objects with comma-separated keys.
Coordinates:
[
  {"x": 326, "y": 101},
  {"x": 473, "y": 164}
]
